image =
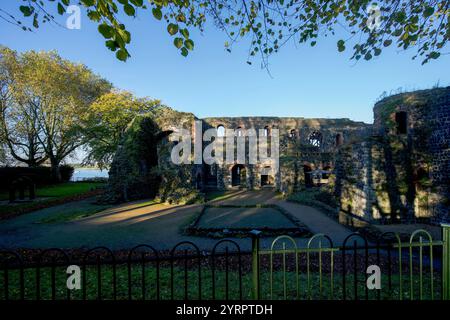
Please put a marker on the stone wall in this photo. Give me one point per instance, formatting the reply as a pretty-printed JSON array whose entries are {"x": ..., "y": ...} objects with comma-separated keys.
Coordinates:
[
  {"x": 396, "y": 169},
  {"x": 142, "y": 166},
  {"x": 296, "y": 149},
  {"x": 402, "y": 171}
]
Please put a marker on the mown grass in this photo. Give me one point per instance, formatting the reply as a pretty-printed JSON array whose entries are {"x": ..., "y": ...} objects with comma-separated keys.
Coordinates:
[
  {"x": 85, "y": 209},
  {"x": 219, "y": 195},
  {"x": 67, "y": 189},
  {"x": 60, "y": 190},
  {"x": 76, "y": 212},
  {"x": 313, "y": 288},
  {"x": 52, "y": 192}
]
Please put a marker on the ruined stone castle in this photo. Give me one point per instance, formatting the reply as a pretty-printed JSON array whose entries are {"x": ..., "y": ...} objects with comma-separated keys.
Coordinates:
[{"x": 397, "y": 168}]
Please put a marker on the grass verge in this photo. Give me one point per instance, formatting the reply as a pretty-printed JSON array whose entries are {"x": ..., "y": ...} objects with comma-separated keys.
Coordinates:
[
  {"x": 284, "y": 285},
  {"x": 55, "y": 194}
]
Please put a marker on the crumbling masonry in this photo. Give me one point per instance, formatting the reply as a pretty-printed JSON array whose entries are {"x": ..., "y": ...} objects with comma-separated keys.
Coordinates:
[{"x": 397, "y": 168}]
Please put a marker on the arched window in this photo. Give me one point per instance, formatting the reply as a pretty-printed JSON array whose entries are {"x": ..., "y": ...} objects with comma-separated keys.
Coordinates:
[
  {"x": 220, "y": 131},
  {"x": 239, "y": 132},
  {"x": 238, "y": 175},
  {"x": 315, "y": 139},
  {"x": 266, "y": 131},
  {"x": 292, "y": 134}
]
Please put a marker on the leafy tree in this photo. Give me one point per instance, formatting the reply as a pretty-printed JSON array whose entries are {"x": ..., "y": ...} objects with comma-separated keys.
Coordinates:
[
  {"x": 269, "y": 24},
  {"x": 58, "y": 94},
  {"x": 107, "y": 121},
  {"x": 19, "y": 130}
]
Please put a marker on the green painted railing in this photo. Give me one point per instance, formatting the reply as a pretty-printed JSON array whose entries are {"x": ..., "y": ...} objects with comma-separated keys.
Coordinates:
[
  {"x": 420, "y": 261},
  {"x": 446, "y": 262}
]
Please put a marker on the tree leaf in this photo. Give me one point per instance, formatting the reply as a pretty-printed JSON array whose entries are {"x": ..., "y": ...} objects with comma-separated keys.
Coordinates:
[
  {"x": 428, "y": 12},
  {"x": 184, "y": 52},
  {"x": 189, "y": 44},
  {"x": 157, "y": 13},
  {"x": 172, "y": 29},
  {"x": 94, "y": 16},
  {"x": 106, "y": 30},
  {"x": 88, "y": 3},
  {"x": 185, "y": 33},
  {"x": 178, "y": 42},
  {"x": 137, "y": 3},
  {"x": 387, "y": 42},
  {"x": 122, "y": 55},
  {"x": 26, "y": 10},
  {"x": 129, "y": 10},
  {"x": 434, "y": 55},
  {"x": 341, "y": 45},
  {"x": 111, "y": 45},
  {"x": 35, "y": 21},
  {"x": 61, "y": 9},
  {"x": 124, "y": 35},
  {"x": 368, "y": 56}
]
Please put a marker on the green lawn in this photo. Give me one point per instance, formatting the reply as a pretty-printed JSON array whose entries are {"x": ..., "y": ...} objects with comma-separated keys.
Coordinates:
[
  {"x": 219, "y": 195},
  {"x": 279, "y": 291},
  {"x": 81, "y": 210},
  {"x": 60, "y": 190},
  {"x": 52, "y": 192}
]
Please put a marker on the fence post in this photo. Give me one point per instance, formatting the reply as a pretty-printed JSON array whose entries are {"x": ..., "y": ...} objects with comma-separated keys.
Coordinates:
[
  {"x": 255, "y": 264},
  {"x": 446, "y": 261}
]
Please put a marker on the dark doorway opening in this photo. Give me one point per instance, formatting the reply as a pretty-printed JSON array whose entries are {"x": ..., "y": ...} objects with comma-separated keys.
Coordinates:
[
  {"x": 264, "y": 180},
  {"x": 401, "y": 121},
  {"x": 238, "y": 175},
  {"x": 339, "y": 140},
  {"x": 308, "y": 176}
]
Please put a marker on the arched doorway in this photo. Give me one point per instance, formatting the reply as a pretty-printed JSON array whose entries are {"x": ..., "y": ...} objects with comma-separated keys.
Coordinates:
[
  {"x": 238, "y": 175},
  {"x": 266, "y": 178},
  {"x": 307, "y": 170}
]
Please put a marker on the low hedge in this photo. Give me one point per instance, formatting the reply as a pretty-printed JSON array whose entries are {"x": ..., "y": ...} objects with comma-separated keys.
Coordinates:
[{"x": 39, "y": 175}]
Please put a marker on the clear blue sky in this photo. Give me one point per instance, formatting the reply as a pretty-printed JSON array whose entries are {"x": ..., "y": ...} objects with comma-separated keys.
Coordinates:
[{"x": 306, "y": 82}]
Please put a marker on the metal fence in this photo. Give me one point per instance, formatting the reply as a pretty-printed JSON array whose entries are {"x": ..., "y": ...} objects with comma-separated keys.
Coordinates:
[{"x": 416, "y": 269}]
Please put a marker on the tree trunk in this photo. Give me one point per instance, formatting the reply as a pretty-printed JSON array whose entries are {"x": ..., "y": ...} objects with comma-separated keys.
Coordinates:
[{"x": 56, "y": 174}]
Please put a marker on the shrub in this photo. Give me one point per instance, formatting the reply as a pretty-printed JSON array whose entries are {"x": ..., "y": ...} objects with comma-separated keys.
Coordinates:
[
  {"x": 39, "y": 175},
  {"x": 66, "y": 172}
]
